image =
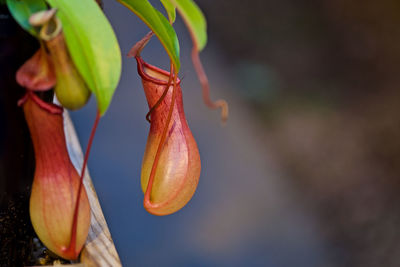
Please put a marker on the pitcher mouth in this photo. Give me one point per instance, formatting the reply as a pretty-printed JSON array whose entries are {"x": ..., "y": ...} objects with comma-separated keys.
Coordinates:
[
  {"x": 142, "y": 66},
  {"x": 49, "y": 107}
]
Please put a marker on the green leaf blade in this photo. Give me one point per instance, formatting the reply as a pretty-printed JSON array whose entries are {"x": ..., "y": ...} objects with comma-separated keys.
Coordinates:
[
  {"x": 93, "y": 46},
  {"x": 194, "y": 20},
  {"x": 159, "y": 25},
  {"x": 22, "y": 10},
  {"x": 171, "y": 10}
]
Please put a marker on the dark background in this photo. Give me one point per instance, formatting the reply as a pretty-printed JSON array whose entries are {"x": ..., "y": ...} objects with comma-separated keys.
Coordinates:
[{"x": 305, "y": 173}]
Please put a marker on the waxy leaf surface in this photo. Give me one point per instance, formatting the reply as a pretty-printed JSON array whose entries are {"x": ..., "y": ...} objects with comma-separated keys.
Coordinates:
[
  {"x": 93, "y": 46},
  {"x": 194, "y": 20},
  {"x": 171, "y": 10},
  {"x": 158, "y": 24}
]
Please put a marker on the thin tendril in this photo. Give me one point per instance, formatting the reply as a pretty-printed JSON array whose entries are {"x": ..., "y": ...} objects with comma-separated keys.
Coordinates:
[
  {"x": 147, "y": 201},
  {"x": 72, "y": 244},
  {"x": 222, "y": 104},
  {"x": 153, "y": 108}
]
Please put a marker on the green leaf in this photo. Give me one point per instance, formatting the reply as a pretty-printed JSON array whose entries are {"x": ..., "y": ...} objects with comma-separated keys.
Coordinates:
[
  {"x": 194, "y": 20},
  {"x": 93, "y": 46},
  {"x": 159, "y": 25},
  {"x": 22, "y": 10},
  {"x": 171, "y": 10}
]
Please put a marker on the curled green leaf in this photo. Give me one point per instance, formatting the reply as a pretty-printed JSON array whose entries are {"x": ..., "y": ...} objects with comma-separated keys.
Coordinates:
[
  {"x": 158, "y": 24},
  {"x": 194, "y": 20}
]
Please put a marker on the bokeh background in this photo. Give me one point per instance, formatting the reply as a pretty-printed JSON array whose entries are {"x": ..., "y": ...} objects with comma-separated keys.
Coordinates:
[{"x": 305, "y": 173}]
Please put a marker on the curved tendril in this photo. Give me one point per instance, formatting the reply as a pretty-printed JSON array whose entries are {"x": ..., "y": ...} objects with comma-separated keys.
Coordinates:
[
  {"x": 72, "y": 244},
  {"x": 222, "y": 104},
  {"x": 153, "y": 108},
  {"x": 147, "y": 201}
]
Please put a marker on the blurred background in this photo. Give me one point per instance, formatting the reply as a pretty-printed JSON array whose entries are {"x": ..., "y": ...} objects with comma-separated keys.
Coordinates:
[{"x": 305, "y": 173}]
